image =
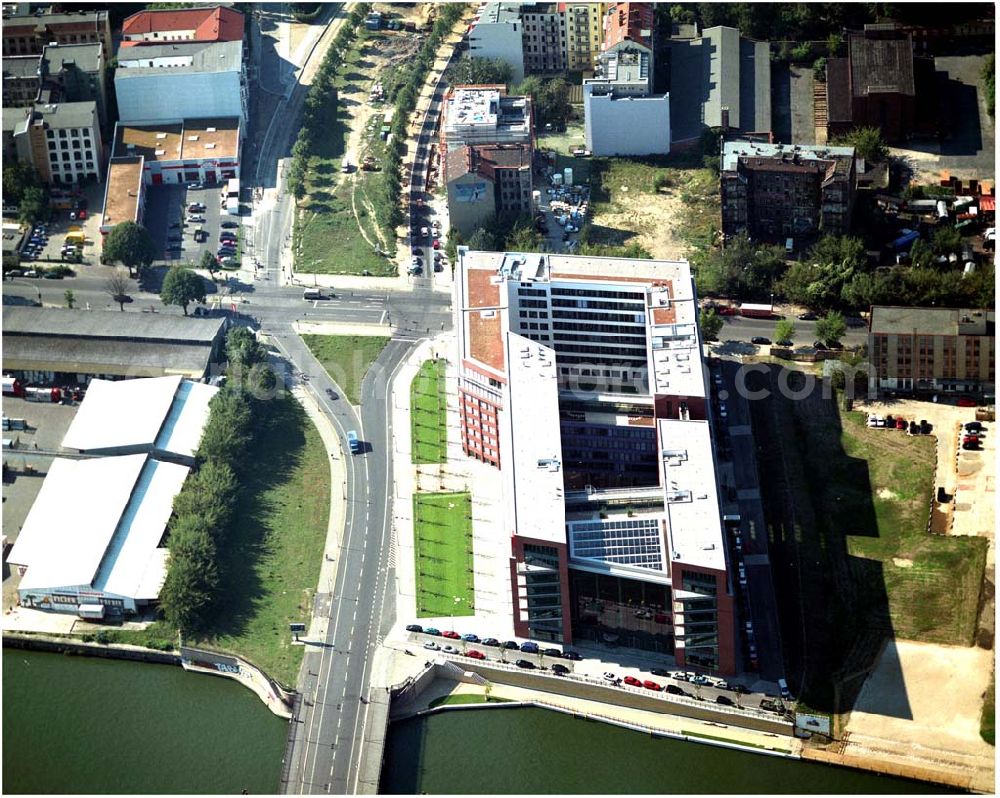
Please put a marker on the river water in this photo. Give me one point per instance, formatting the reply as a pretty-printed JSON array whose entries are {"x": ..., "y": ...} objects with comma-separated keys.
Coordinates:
[
  {"x": 499, "y": 750},
  {"x": 85, "y": 725}
]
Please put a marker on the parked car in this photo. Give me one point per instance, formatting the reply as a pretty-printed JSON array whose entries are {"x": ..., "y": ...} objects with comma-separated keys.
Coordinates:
[
  {"x": 414, "y": 627},
  {"x": 430, "y": 645},
  {"x": 229, "y": 225},
  {"x": 523, "y": 663},
  {"x": 529, "y": 648},
  {"x": 424, "y": 232},
  {"x": 784, "y": 342},
  {"x": 511, "y": 644},
  {"x": 610, "y": 677},
  {"x": 661, "y": 672},
  {"x": 451, "y": 635},
  {"x": 194, "y": 207},
  {"x": 965, "y": 401},
  {"x": 808, "y": 316},
  {"x": 673, "y": 689},
  {"x": 971, "y": 446},
  {"x": 725, "y": 700},
  {"x": 449, "y": 649},
  {"x": 631, "y": 681},
  {"x": 52, "y": 275},
  {"x": 649, "y": 684},
  {"x": 572, "y": 655},
  {"x": 552, "y": 652},
  {"x": 475, "y": 654},
  {"x": 430, "y": 630},
  {"x": 561, "y": 670},
  {"x": 974, "y": 426},
  {"x": 491, "y": 641},
  {"x": 900, "y": 423},
  {"x": 436, "y": 243},
  {"x": 470, "y": 638},
  {"x": 760, "y": 340},
  {"x": 699, "y": 679}
]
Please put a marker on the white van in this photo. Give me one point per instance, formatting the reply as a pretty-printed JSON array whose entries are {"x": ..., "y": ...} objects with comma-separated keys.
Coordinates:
[
  {"x": 783, "y": 689},
  {"x": 312, "y": 293}
]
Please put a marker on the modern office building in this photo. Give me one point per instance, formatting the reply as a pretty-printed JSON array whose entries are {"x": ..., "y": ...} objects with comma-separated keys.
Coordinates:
[
  {"x": 188, "y": 150},
  {"x": 582, "y": 380},
  {"x": 61, "y": 140},
  {"x": 183, "y": 80},
  {"x": 932, "y": 350},
  {"x": 485, "y": 180},
  {"x": 773, "y": 192},
  {"x": 28, "y": 33},
  {"x": 206, "y": 24}
]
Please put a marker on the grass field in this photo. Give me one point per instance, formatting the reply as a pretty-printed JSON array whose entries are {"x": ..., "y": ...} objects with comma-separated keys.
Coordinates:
[
  {"x": 847, "y": 510},
  {"x": 443, "y": 533},
  {"x": 270, "y": 563},
  {"x": 346, "y": 358},
  {"x": 327, "y": 237},
  {"x": 428, "y": 413}
]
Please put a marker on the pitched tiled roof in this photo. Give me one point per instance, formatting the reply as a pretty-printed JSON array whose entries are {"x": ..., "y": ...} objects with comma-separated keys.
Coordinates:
[{"x": 217, "y": 24}]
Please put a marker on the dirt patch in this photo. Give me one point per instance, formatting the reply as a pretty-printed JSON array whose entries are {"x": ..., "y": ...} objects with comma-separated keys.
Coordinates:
[
  {"x": 921, "y": 704},
  {"x": 885, "y": 493},
  {"x": 652, "y": 220},
  {"x": 902, "y": 563}
]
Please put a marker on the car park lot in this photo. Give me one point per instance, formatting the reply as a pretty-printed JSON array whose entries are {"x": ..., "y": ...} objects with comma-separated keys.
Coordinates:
[
  {"x": 665, "y": 679},
  {"x": 172, "y": 224}
]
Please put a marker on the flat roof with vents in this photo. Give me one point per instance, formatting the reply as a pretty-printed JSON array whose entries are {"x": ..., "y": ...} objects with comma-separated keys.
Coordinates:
[{"x": 124, "y": 187}]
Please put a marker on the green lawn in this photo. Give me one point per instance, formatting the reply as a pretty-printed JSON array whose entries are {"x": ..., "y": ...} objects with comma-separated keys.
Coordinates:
[
  {"x": 270, "y": 563},
  {"x": 346, "y": 358},
  {"x": 327, "y": 237},
  {"x": 847, "y": 510},
  {"x": 443, "y": 532},
  {"x": 428, "y": 413}
]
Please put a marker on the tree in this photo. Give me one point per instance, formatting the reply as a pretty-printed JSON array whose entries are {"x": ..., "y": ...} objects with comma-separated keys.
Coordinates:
[
  {"x": 70, "y": 298},
  {"x": 33, "y": 206},
  {"x": 867, "y": 142},
  {"x": 784, "y": 330},
  {"x": 131, "y": 245},
  {"x": 227, "y": 433},
  {"x": 552, "y": 102},
  {"x": 208, "y": 262},
  {"x": 192, "y": 574},
  {"x": 116, "y": 286},
  {"x": 710, "y": 323},
  {"x": 482, "y": 240},
  {"x": 946, "y": 239},
  {"x": 17, "y": 178},
  {"x": 477, "y": 71},
  {"x": 243, "y": 349},
  {"x": 831, "y": 328},
  {"x": 209, "y": 495},
  {"x": 181, "y": 287},
  {"x": 988, "y": 74}
]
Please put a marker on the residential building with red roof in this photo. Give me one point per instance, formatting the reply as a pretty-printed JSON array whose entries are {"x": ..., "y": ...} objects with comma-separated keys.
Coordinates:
[{"x": 218, "y": 24}]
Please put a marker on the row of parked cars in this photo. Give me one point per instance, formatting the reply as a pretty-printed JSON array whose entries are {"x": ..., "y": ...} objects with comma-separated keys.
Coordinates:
[
  {"x": 971, "y": 435},
  {"x": 528, "y": 647},
  {"x": 923, "y": 427}
]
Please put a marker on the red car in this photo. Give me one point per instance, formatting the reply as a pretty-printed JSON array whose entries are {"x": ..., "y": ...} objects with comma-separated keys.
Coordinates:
[
  {"x": 901, "y": 423},
  {"x": 451, "y": 635},
  {"x": 437, "y": 243},
  {"x": 728, "y": 311},
  {"x": 475, "y": 654},
  {"x": 970, "y": 439},
  {"x": 651, "y": 685},
  {"x": 631, "y": 680},
  {"x": 964, "y": 401}
]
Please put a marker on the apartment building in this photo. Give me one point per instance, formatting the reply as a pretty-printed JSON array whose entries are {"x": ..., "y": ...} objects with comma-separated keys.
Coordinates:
[
  {"x": 485, "y": 180},
  {"x": 208, "y": 24},
  {"x": 582, "y": 380},
  {"x": 773, "y": 192},
  {"x": 29, "y": 33},
  {"x": 544, "y": 38},
  {"x": 498, "y": 33},
  {"x": 484, "y": 115},
  {"x": 583, "y": 23},
  {"x": 61, "y": 140},
  {"x": 158, "y": 83},
  {"x": 931, "y": 350},
  {"x": 622, "y": 116}
]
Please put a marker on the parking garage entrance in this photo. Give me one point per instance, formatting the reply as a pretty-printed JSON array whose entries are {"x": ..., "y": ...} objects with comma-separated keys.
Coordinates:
[{"x": 617, "y": 611}]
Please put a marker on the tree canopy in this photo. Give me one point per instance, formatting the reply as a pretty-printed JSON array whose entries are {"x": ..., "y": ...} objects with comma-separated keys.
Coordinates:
[
  {"x": 34, "y": 205},
  {"x": 710, "y": 323},
  {"x": 549, "y": 98},
  {"x": 131, "y": 245},
  {"x": 18, "y": 176},
  {"x": 116, "y": 286},
  {"x": 741, "y": 269},
  {"x": 867, "y": 142},
  {"x": 475, "y": 71},
  {"x": 831, "y": 328},
  {"x": 182, "y": 287}
]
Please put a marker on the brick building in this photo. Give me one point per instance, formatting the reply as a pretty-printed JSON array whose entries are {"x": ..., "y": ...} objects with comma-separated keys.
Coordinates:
[
  {"x": 28, "y": 34},
  {"x": 928, "y": 350},
  {"x": 773, "y": 192},
  {"x": 486, "y": 180}
]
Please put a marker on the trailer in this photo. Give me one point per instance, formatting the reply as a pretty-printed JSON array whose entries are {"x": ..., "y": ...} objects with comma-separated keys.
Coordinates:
[
  {"x": 756, "y": 311},
  {"x": 12, "y": 387},
  {"x": 52, "y": 395}
]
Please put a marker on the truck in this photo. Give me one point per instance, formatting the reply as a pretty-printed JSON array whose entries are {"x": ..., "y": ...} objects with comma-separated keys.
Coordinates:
[
  {"x": 905, "y": 240},
  {"x": 12, "y": 386},
  {"x": 756, "y": 311},
  {"x": 353, "y": 442},
  {"x": 33, "y": 394}
]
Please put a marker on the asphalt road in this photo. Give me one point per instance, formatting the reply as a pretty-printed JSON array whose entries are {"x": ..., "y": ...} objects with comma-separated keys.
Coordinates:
[{"x": 738, "y": 328}]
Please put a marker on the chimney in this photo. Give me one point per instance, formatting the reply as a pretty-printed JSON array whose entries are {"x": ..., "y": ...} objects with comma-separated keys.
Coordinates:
[{"x": 724, "y": 119}]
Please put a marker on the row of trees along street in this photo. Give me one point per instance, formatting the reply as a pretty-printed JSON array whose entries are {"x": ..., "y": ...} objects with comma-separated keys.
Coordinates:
[{"x": 203, "y": 510}]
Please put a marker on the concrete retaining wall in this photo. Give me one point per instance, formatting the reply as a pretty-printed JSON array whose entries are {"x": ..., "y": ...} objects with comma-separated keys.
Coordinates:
[
  {"x": 117, "y": 651},
  {"x": 616, "y": 696}
]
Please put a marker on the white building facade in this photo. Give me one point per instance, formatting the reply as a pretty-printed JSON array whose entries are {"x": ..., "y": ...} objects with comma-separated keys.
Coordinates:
[{"x": 625, "y": 125}]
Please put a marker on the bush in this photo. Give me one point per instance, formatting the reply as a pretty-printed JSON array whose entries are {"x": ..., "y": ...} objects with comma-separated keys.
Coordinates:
[{"x": 819, "y": 69}]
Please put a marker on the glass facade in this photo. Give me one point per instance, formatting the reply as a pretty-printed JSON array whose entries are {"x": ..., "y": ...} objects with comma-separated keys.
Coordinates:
[
  {"x": 617, "y": 611},
  {"x": 608, "y": 456},
  {"x": 542, "y": 591},
  {"x": 701, "y": 620}
]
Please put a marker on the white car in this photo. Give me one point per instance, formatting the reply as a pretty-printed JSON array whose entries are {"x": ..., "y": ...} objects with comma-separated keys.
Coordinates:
[
  {"x": 610, "y": 677},
  {"x": 430, "y": 645}
]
